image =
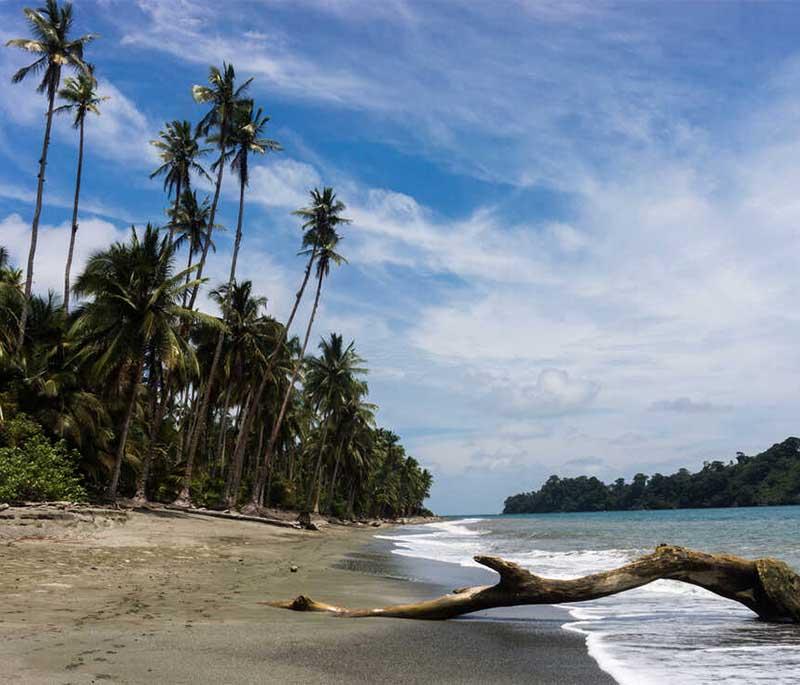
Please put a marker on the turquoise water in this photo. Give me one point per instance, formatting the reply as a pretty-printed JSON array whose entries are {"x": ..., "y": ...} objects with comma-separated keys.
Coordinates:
[{"x": 666, "y": 632}]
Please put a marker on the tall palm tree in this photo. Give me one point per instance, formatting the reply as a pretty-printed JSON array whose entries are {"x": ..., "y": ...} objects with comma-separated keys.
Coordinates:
[
  {"x": 11, "y": 296},
  {"x": 227, "y": 102},
  {"x": 54, "y": 49},
  {"x": 81, "y": 98},
  {"x": 179, "y": 150},
  {"x": 246, "y": 139},
  {"x": 133, "y": 312},
  {"x": 320, "y": 241},
  {"x": 223, "y": 96}
]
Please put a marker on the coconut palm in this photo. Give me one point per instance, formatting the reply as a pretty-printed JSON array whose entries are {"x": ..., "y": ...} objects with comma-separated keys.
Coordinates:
[
  {"x": 50, "y": 27},
  {"x": 11, "y": 296},
  {"x": 80, "y": 96},
  {"x": 179, "y": 150},
  {"x": 320, "y": 241},
  {"x": 224, "y": 96},
  {"x": 132, "y": 313},
  {"x": 331, "y": 384},
  {"x": 245, "y": 139},
  {"x": 190, "y": 221}
]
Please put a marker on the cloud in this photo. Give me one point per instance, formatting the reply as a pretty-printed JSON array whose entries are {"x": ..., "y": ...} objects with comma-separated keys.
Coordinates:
[
  {"x": 685, "y": 405},
  {"x": 51, "y": 251}
]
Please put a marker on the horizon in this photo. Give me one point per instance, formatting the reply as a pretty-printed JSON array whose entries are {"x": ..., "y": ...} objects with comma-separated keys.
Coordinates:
[{"x": 582, "y": 262}]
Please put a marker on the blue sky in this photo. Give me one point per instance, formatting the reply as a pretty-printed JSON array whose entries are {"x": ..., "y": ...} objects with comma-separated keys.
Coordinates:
[{"x": 576, "y": 224}]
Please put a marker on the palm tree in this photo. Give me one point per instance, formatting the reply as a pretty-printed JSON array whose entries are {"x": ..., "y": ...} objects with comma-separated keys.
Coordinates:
[
  {"x": 245, "y": 139},
  {"x": 133, "y": 313},
  {"x": 11, "y": 296},
  {"x": 331, "y": 384},
  {"x": 227, "y": 103},
  {"x": 224, "y": 97},
  {"x": 320, "y": 240},
  {"x": 191, "y": 223},
  {"x": 54, "y": 49},
  {"x": 81, "y": 98},
  {"x": 179, "y": 151}
]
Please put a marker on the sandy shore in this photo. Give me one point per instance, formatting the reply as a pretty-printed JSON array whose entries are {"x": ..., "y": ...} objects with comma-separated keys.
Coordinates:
[{"x": 173, "y": 598}]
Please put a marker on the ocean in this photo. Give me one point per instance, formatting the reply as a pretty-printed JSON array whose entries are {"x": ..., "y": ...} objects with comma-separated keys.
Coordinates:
[{"x": 666, "y": 632}]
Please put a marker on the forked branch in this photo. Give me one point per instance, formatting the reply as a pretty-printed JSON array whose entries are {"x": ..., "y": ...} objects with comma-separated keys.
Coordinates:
[{"x": 768, "y": 587}]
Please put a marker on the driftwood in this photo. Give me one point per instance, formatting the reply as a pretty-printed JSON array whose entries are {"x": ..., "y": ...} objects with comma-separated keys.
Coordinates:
[{"x": 768, "y": 587}]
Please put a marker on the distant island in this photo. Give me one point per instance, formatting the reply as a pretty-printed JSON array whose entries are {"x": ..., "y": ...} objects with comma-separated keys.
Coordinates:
[{"x": 769, "y": 478}]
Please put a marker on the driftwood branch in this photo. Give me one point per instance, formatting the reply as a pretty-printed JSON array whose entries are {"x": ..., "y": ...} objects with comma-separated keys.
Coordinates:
[{"x": 768, "y": 587}]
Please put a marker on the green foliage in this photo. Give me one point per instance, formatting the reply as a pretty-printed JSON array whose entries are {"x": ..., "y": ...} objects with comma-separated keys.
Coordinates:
[
  {"x": 34, "y": 468},
  {"x": 770, "y": 478}
]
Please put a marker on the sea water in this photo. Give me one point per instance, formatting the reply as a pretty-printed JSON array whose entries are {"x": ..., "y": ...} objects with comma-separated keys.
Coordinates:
[{"x": 665, "y": 632}]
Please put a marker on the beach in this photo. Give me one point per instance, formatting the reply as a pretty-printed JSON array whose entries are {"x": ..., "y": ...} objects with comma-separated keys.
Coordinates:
[{"x": 170, "y": 597}]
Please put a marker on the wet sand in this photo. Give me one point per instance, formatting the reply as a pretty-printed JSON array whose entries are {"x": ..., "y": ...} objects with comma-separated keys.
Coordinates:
[{"x": 174, "y": 598}]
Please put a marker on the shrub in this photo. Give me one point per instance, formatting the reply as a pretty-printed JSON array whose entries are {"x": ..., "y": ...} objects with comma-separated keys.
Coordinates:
[{"x": 33, "y": 468}]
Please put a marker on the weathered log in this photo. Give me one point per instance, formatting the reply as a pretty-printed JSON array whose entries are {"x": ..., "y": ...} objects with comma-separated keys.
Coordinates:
[{"x": 768, "y": 587}]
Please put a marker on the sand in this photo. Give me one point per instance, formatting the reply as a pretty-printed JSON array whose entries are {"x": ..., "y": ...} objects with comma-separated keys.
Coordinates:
[{"x": 174, "y": 598}]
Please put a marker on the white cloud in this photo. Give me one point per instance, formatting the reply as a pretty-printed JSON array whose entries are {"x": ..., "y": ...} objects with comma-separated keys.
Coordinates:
[{"x": 52, "y": 244}]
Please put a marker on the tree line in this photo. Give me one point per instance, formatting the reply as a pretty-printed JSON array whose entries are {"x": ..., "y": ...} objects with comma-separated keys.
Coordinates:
[
  {"x": 769, "y": 478},
  {"x": 141, "y": 392}
]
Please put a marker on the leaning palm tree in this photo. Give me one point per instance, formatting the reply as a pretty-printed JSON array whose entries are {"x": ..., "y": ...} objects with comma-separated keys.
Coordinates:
[
  {"x": 81, "y": 97},
  {"x": 320, "y": 240},
  {"x": 179, "y": 150},
  {"x": 54, "y": 49},
  {"x": 132, "y": 313}
]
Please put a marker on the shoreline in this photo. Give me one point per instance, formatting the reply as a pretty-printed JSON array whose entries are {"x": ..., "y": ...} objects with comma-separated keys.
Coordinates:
[{"x": 171, "y": 597}]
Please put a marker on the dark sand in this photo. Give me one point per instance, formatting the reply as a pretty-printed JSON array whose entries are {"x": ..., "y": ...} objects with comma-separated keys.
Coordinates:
[{"x": 172, "y": 598}]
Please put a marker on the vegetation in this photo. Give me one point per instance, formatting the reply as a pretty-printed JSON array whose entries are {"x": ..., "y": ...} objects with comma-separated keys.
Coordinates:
[
  {"x": 136, "y": 392},
  {"x": 769, "y": 478},
  {"x": 35, "y": 468}
]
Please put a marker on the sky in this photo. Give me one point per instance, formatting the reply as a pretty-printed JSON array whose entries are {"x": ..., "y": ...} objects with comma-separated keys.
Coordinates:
[{"x": 576, "y": 225}]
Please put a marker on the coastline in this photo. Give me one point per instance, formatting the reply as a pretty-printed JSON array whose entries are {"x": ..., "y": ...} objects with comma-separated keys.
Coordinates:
[{"x": 172, "y": 597}]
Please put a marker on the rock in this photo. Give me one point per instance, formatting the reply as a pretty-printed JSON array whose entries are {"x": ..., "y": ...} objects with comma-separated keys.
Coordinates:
[
  {"x": 293, "y": 569},
  {"x": 3, "y": 507}
]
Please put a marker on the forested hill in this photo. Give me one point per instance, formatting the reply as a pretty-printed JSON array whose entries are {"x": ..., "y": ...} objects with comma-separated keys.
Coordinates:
[{"x": 769, "y": 478}]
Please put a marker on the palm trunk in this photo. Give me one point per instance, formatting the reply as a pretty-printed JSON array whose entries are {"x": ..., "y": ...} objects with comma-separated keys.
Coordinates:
[
  {"x": 111, "y": 493},
  {"x": 332, "y": 492},
  {"x": 74, "y": 221},
  {"x": 223, "y": 423},
  {"x": 23, "y": 317},
  {"x": 175, "y": 211},
  {"x": 213, "y": 214},
  {"x": 258, "y": 487},
  {"x": 250, "y": 413},
  {"x": 188, "y": 274},
  {"x": 312, "y": 499},
  {"x": 351, "y": 500},
  {"x": 157, "y": 410},
  {"x": 185, "y": 496},
  {"x": 234, "y": 480}
]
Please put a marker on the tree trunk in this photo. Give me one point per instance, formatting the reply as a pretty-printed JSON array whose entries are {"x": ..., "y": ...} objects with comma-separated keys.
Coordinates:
[
  {"x": 186, "y": 281},
  {"x": 223, "y": 424},
  {"x": 111, "y": 493},
  {"x": 71, "y": 249},
  {"x": 234, "y": 479},
  {"x": 252, "y": 409},
  {"x": 37, "y": 212},
  {"x": 175, "y": 208},
  {"x": 184, "y": 497},
  {"x": 258, "y": 486},
  {"x": 767, "y": 587},
  {"x": 312, "y": 500},
  {"x": 212, "y": 215},
  {"x": 156, "y": 414},
  {"x": 332, "y": 491}
]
